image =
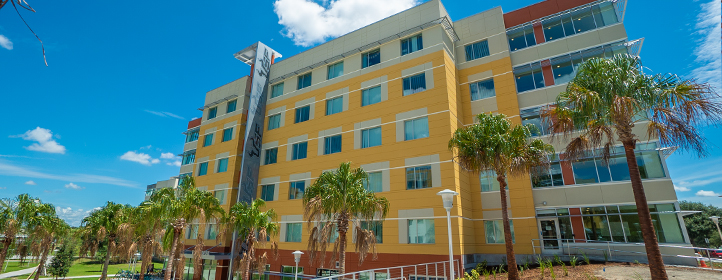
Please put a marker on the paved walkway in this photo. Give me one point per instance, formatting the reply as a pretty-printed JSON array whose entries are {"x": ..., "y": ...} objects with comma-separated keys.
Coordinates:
[{"x": 25, "y": 271}]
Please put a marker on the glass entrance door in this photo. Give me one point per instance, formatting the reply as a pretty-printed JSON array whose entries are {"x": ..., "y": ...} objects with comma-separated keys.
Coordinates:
[{"x": 549, "y": 232}]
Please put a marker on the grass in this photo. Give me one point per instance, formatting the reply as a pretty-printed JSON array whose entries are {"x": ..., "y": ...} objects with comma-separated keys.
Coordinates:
[
  {"x": 15, "y": 266},
  {"x": 85, "y": 267}
]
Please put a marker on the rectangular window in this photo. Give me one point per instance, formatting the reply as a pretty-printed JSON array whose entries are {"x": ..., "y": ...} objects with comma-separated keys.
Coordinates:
[
  {"x": 203, "y": 169},
  {"x": 411, "y": 44},
  {"x": 488, "y": 181},
  {"x": 334, "y": 105},
  {"x": 271, "y": 156},
  {"x": 528, "y": 77},
  {"x": 231, "y": 106},
  {"x": 477, "y": 50},
  {"x": 414, "y": 84},
  {"x": 482, "y": 89},
  {"x": 596, "y": 228},
  {"x": 302, "y": 114},
  {"x": 227, "y": 134},
  {"x": 304, "y": 81},
  {"x": 548, "y": 178},
  {"x": 533, "y": 117},
  {"x": 183, "y": 177},
  {"x": 371, "y": 137},
  {"x": 211, "y": 231},
  {"x": 192, "y": 231},
  {"x": 193, "y": 135},
  {"x": 221, "y": 196},
  {"x": 553, "y": 28},
  {"x": 332, "y": 144},
  {"x": 293, "y": 232},
  {"x": 299, "y": 150},
  {"x": 274, "y": 121},
  {"x": 421, "y": 231},
  {"x": 583, "y": 20},
  {"x": 377, "y": 227},
  {"x": 374, "y": 183},
  {"x": 417, "y": 128},
  {"x": 335, "y": 70},
  {"x": 189, "y": 158},
  {"x": 418, "y": 177},
  {"x": 277, "y": 90},
  {"x": 495, "y": 232},
  {"x": 222, "y": 165},
  {"x": 296, "y": 190},
  {"x": 371, "y": 58},
  {"x": 208, "y": 140},
  {"x": 521, "y": 37},
  {"x": 212, "y": 112},
  {"x": 267, "y": 192},
  {"x": 593, "y": 170},
  {"x": 371, "y": 96}
]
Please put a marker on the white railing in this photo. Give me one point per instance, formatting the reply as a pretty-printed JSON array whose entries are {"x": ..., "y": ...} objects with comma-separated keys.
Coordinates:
[{"x": 426, "y": 271}]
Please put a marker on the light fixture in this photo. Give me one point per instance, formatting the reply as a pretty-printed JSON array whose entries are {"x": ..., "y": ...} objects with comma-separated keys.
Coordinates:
[
  {"x": 447, "y": 196},
  {"x": 296, "y": 257}
]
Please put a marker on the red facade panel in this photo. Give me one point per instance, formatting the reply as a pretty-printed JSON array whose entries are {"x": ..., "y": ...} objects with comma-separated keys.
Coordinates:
[
  {"x": 194, "y": 123},
  {"x": 577, "y": 225},
  {"x": 540, "y": 10}
]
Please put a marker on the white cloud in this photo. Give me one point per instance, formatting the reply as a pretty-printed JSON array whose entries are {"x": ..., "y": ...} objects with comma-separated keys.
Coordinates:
[
  {"x": 307, "y": 23},
  {"x": 708, "y": 49},
  {"x": 6, "y": 43},
  {"x": 165, "y": 114},
  {"x": 707, "y": 193},
  {"x": 17, "y": 171},
  {"x": 167, "y": 155},
  {"x": 44, "y": 139},
  {"x": 142, "y": 158},
  {"x": 174, "y": 163},
  {"x": 73, "y": 217},
  {"x": 681, "y": 189},
  {"x": 146, "y": 147},
  {"x": 31, "y": 182},
  {"x": 73, "y": 186}
]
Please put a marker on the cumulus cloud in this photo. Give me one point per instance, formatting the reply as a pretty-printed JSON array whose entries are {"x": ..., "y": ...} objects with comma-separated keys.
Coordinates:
[
  {"x": 6, "y": 43},
  {"x": 142, "y": 158},
  {"x": 165, "y": 114},
  {"x": 9, "y": 169},
  {"x": 707, "y": 52},
  {"x": 44, "y": 139},
  {"x": 681, "y": 189},
  {"x": 707, "y": 193},
  {"x": 73, "y": 186},
  {"x": 31, "y": 182},
  {"x": 307, "y": 22},
  {"x": 174, "y": 163},
  {"x": 167, "y": 156},
  {"x": 73, "y": 217}
]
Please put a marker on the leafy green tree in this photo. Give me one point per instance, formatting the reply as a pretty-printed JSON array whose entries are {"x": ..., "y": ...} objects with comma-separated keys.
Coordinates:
[
  {"x": 110, "y": 224},
  {"x": 60, "y": 265},
  {"x": 700, "y": 226},
  {"x": 334, "y": 200},
  {"x": 254, "y": 227},
  {"x": 494, "y": 144},
  {"x": 607, "y": 97}
]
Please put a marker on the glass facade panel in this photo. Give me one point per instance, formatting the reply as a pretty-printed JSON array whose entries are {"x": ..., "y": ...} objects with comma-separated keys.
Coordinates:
[
  {"x": 277, "y": 90},
  {"x": 414, "y": 84},
  {"x": 528, "y": 77},
  {"x": 192, "y": 136},
  {"x": 334, "y": 106},
  {"x": 541, "y": 178},
  {"x": 189, "y": 158},
  {"x": 585, "y": 172},
  {"x": 370, "y": 58},
  {"x": 615, "y": 225},
  {"x": 296, "y": 190},
  {"x": 371, "y": 137},
  {"x": 481, "y": 90},
  {"x": 533, "y": 117},
  {"x": 583, "y": 20},
  {"x": 553, "y": 28},
  {"x": 332, "y": 144},
  {"x": 421, "y": 231},
  {"x": 516, "y": 39},
  {"x": 371, "y": 96},
  {"x": 596, "y": 228},
  {"x": 650, "y": 164}
]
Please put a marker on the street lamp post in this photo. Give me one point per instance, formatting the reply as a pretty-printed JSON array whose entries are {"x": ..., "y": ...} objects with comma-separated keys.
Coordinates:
[
  {"x": 447, "y": 196},
  {"x": 297, "y": 257},
  {"x": 715, "y": 219}
]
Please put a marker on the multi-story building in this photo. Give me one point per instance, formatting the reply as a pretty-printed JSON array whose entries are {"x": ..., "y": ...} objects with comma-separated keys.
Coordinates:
[
  {"x": 387, "y": 97},
  {"x": 152, "y": 188}
]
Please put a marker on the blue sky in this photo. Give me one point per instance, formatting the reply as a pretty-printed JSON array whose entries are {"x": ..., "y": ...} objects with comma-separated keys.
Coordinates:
[{"x": 105, "y": 118}]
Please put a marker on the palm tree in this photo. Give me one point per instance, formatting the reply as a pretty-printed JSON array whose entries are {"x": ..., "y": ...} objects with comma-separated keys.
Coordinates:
[
  {"x": 335, "y": 199},
  {"x": 178, "y": 207},
  {"x": 47, "y": 228},
  {"x": 493, "y": 144},
  {"x": 607, "y": 97},
  {"x": 9, "y": 226},
  {"x": 110, "y": 223},
  {"x": 19, "y": 215},
  {"x": 253, "y": 226},
  {"x": 148, "y": 231}
]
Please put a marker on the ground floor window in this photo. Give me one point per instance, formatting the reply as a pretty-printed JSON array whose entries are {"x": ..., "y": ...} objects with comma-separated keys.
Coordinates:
[
  {"x": 495, "y": 231},
  {"x": 209, "y": 269}
]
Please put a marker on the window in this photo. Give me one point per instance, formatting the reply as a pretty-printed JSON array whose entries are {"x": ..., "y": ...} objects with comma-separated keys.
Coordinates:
[
  {"x": 482, "y": 89},
  {"x": 564, "y": 67},
  {"x": 371, "y": 96},
  {"x": 227, "y": 134},
  {"x": 374, "y": 183},
  {"x": 414, "y": 84},
  {"x": 222, "y": 165},
  {"x": 299, "y": 150},
  {"x": 418, "y": 177},
  {"x": 415, "y": 129},
  {"x": 303, "y": 114},
  {"x": 189, "y": 158},
  {"x": 580, "y": 20},
  {"x": 371, "y": 137},
  {"x": 477, "y": 50},
  {"x": 293, "y": 232},
  {"x": 192, "y": 231},
  {"x": 371, "y": 58},
  {"x": 203, "y": 169},
  {"x": 277, "y": 90},
  {"x": 212, "y": 112},
  {"x": 377, "y": 227},
  {"x": 593, "y": 170},
  {"x": 533, "y": 117},
  {"x": 304, "y": 81},
  {"x": 274, "y": 121},
  {"x": 267, "y": 192},
  {"x": 334, "y": 105},
  {"x": 192, "y": 136},
  {"x": 528, "y": 77},
  {"x": 221, "y": 196},
  {"x": 332, "y": 144},
  {"x": 495, "y": 232},
  {"x": 231, "y": 106},
  {"x": 421, "y": 231},
  {"x": 411, "y": 44},
  {"x": 335, "y": 70},
  {"x": 521, "y": 37},
  {"x": 183, "y": 177},
  {"x": 290, "y": 270},
  {"x": 488, "y": 181},
  {"x": 296, "y": 190},
  {"x": 208, "y": 140},
  {"x": 548, "y": 178},
  {"x": 271, "y": 156}
]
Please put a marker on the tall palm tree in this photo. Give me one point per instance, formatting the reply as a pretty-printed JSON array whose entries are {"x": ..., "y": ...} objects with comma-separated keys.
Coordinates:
[
  {"x": 601, "y": 105},
  {"x": 111, "y": 224},
  {"x": 47, "y": 228},
  {"x": 253, "y": 226},
  {"x": 9, "y": 226},
  {"x": 494, "y": 144},
  {"x": 178, "y": 207},
  {"x": 148, "y": 228},
  {"x": 334, "y": 200},
  {"x": 19, "y": 215}
]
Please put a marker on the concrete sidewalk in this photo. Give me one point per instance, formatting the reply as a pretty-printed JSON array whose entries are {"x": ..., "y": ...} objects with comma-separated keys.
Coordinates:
[{"x": 24, "y": 271}]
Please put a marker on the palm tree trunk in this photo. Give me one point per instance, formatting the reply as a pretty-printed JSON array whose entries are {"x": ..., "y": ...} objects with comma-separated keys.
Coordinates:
[
  {"x": 146, "y": 256},
  {"x": 197, "y": 259},
  {"x": 251, "y": 254},
  {"x": 104, "y": 274},
  {"x": 45, "y": 248},
  {"x": 171, "y": 258},
  {"x": 6, "y": 248},
  {"x": 510, "y": 256},
  {"x": 654, "y": 255},
  {"x": 342, "y": 229}
]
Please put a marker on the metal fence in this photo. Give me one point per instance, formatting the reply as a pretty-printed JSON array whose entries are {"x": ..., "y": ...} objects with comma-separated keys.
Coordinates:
[{"x": 424, "y": 271}]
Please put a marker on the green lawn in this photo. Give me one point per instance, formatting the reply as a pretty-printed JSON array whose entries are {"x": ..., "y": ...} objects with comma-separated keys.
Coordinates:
[
  {"x": 15, "y": 266},
  {"x": 84, "y": 267}
]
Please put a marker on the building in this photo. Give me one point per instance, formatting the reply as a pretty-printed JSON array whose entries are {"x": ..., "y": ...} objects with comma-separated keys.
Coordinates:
[
  {"x": 170, "y": 183},
  {"x": 388, "y": 97}
]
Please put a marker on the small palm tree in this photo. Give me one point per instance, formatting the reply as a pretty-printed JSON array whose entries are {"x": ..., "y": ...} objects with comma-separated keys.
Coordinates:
[
  {"x": 334, "y": 200},
  {"x": 46, "y": 228},
  {"x": 148, "y": 231},
  {"x": 602, "y": 104},
  {"x": 493, "y": 144},
  {"x": 254, "y": 227},
  {"x": 15, "y": 216},
  {"x": 111, "y": 224}
]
